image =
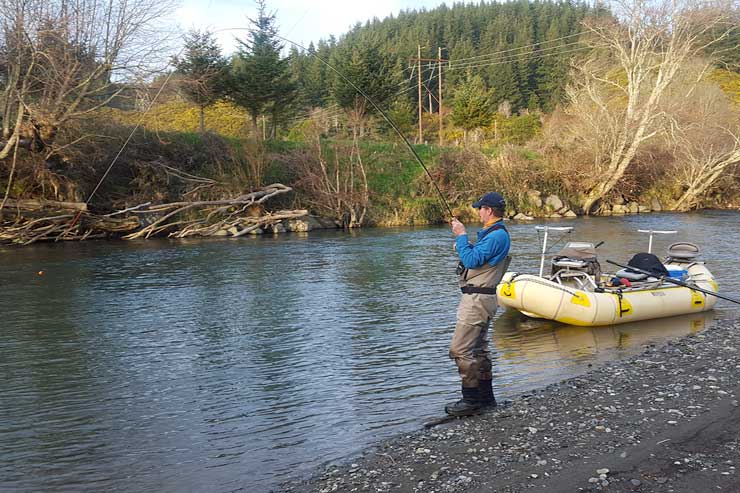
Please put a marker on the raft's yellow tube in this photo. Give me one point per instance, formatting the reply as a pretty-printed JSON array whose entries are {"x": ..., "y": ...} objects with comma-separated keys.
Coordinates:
[{"x": 538, "y": 297}]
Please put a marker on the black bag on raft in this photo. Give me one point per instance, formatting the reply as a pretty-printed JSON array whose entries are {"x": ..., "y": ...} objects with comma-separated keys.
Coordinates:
[{"x": 649, "y": 263}]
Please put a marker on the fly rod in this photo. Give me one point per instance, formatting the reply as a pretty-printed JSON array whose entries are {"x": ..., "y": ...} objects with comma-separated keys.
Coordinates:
[{"x": 383, "y": 114}]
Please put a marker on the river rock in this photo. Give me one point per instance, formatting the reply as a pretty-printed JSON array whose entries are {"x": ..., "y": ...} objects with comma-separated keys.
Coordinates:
[
  {"x": 554, "y": 202},
  {"x": 633, "y": 207},
  {"x": 523, "y": 217},
  {"x": 256, "y": 231},
  {"x": 570, "y": 213},
  {"x": 323, "y": 222},
  {"x": 233, "y": 231},
  {"x": 655, "y": 205},
  {"x": 221, "y": 232},
  {"x": 618, "y": 200},
  {"x": 277, "y": 228},
  {"x": 534, "y": 198},
  {"x": 619, "y": 209},
  {"x": 298, "y": 225},
  {"x": 643, "y": 208}
]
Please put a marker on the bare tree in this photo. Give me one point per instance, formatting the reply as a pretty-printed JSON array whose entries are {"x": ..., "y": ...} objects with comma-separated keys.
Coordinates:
[
  {"x": 705, "y": 135},
  {"x": 616, "y": 93},
  {"x": 62, "y": 59},
  {"x": 334, "y": 185}
]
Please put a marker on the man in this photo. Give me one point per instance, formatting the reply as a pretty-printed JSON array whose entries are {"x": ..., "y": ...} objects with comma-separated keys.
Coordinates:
[{"x": 480, "y": 269}]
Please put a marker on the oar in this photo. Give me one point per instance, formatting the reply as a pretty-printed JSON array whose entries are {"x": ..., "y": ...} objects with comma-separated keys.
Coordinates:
[{"x": 674, "y": 281}]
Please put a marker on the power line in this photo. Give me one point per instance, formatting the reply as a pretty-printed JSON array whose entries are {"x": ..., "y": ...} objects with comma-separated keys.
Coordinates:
[
  {"x": 513, "y": 58},
  {"x": 487, "y": 64},
  {"x": 338, "y": 111},
  {"x": 519, "y": 47}
]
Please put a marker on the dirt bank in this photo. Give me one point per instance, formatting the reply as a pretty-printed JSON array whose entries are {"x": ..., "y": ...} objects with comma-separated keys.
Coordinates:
[{"x": 665, "y": 420}]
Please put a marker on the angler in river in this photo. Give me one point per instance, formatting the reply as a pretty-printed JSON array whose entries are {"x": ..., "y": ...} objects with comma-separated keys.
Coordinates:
[{"x": 481, "y": 267}]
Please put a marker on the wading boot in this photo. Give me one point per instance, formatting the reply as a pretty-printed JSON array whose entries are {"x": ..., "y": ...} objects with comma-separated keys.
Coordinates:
[
  {"x": 467, "y": 406},
  {"x": 485, "y": 393}
]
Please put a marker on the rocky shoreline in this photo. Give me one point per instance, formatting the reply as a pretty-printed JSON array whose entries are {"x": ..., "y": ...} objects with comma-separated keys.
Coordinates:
[{"x": 666, "y": 420}]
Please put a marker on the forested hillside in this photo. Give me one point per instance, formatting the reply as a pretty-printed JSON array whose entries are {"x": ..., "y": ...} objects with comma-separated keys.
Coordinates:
[{"x": 520, "y": 49}]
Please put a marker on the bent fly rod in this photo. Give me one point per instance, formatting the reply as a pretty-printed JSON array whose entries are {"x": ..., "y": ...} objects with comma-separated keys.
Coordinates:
[{"x": 382, "y": 113}]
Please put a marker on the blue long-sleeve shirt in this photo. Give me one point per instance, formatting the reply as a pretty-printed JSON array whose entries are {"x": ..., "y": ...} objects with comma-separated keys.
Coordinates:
[{"x": 490, "y": 248}]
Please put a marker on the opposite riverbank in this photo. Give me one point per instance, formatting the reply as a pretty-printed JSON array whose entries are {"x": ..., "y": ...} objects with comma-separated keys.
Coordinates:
[{"x": 664, "y": 420}]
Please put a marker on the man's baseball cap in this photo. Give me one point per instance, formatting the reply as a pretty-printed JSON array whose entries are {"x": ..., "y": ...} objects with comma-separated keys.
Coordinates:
[{"x": 491, "y": 199}]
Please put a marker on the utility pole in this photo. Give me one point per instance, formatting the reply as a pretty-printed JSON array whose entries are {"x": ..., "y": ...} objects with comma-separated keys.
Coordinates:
[
  {"x": 418, "y": 58},
  {"x": 439, "y": 60},
  {"x": 439, "y": 101}
]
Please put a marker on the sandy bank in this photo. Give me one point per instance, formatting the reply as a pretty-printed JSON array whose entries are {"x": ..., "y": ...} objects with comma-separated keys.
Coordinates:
[{"x": 665, "y": 420}]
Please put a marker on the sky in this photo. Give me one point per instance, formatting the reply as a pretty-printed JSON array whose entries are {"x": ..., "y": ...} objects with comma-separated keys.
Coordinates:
[{"x": 299, "y": 21}]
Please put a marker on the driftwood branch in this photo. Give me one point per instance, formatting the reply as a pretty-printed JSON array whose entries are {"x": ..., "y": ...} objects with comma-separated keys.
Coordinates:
[{"x": 72, "y": 221}]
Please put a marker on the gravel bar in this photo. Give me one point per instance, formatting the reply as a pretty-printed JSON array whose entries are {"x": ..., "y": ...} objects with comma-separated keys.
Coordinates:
[{"x": 664, "y": 420}]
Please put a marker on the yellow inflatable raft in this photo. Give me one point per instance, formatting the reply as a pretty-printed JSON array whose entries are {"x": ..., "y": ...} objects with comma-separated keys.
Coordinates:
[{"x": 576, "y": 296}]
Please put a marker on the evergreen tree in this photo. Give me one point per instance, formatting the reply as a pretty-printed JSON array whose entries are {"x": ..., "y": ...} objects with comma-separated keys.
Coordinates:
[
  {"x": 367, "y": 68},
  {"x": 261, "y": 78},
  {"x": 472, "y": 106},
  {"x": 202, "y": 71}
]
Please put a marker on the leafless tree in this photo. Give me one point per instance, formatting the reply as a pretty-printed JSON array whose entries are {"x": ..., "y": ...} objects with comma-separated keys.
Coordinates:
[
  {"x": 705, "y": 136},
  {"x": 616, "y": 93},
  {"x": 334, "y": 185},
  {"x": 62, "y": 59}
]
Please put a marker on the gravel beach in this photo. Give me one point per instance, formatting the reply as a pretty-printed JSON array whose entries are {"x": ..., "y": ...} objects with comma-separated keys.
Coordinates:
[{"x": 664, "y": 420}]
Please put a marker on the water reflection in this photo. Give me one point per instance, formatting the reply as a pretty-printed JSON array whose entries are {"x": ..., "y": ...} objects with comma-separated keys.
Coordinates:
[{"x": 544, "y": 351}]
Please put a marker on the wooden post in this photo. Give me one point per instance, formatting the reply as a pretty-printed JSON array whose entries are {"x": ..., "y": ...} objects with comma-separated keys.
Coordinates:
[
  {"x": 439, "y": 82},
  {"x": 418, "y": 60},
  {"x": 421, "y": 135}
]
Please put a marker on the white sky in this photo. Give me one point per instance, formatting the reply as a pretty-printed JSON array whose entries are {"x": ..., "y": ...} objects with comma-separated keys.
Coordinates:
[{"x": 299, "y": 21}]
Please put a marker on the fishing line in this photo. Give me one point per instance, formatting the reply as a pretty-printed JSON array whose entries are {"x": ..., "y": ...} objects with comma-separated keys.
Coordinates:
[{"x": 382, "y": 113}]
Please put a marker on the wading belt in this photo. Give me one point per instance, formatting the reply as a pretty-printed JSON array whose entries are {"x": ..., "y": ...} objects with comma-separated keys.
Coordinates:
[{"x": 477, "y": 290}]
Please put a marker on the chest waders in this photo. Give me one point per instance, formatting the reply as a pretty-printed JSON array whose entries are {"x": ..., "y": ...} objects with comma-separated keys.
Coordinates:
[{"x": 470, "y": 342}]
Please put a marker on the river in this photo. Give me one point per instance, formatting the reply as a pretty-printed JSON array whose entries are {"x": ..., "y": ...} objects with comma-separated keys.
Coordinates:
[{"x": 234, "y": 365}]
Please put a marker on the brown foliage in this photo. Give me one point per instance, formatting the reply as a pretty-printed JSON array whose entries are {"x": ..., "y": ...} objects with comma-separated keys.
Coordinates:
[{"x": 331, "y": 181}]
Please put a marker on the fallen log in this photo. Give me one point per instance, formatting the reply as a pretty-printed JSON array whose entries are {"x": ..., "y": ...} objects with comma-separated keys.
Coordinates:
[
  {"x": 233, "y": 217},
  {"x": 42, "y": 204}
]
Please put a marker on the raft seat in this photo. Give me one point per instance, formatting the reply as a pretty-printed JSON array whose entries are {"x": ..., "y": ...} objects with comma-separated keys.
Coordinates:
[
  {"x": 682, "y": 251},
  {"x": 572, "y": 271},
  {"x": 570, "y": 263}
]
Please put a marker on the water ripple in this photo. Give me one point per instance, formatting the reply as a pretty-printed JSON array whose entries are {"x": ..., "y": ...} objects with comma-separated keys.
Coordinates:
[{"x": 234, "y": 365}]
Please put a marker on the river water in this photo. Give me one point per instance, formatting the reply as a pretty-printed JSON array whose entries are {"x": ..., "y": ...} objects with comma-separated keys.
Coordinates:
[{"x": 234, "y": 365}]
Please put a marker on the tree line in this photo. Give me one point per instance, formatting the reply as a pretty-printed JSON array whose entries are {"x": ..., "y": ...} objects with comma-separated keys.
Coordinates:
[{"x": 601, "y": 99}]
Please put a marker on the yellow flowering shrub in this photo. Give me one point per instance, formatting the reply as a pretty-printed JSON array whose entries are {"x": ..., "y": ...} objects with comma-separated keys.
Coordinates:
[{"x": 223, "y": 118}]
